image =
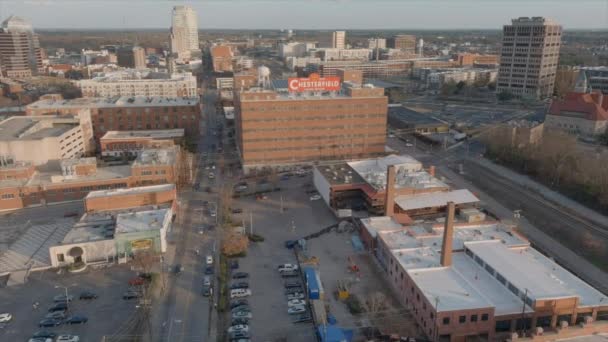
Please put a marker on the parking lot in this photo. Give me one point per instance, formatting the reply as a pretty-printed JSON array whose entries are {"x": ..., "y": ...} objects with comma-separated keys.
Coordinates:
[
  {"x": 300, "y": 217},
  {"x": 108, "y": 315}
]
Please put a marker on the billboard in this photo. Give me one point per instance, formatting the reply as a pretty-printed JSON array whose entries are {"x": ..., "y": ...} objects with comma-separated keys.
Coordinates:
[
  {"x": 137, "y": 245},
  {"x": 313, "y": 83}
]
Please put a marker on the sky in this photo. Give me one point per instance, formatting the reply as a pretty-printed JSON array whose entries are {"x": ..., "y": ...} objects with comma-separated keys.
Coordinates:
[{"x": 307, "y": 14}]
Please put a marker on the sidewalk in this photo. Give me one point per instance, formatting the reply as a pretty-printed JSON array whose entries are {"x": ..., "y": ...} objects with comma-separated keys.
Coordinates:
[
  {"x": 562, "y": 255},
  {"x": 545, "y": 192}
]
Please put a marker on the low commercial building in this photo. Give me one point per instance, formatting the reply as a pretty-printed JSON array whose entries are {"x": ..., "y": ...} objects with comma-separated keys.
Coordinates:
[
  {"x": 38, "y": 139},
  {"x": 131, "y": 82},
  {"x": 294, "y": 63},
  {"x": 128, "y": 113},
  {"x": 114, "y": 235},
  {"x": 23, "y": 185},
  {"x": 472, "y": 59},
  {"x": 581, "y": 114},
  {"x": 363, "y": 185},
  {"x": 295, "y": 49},
  {"x": 410, "y": 121},
  {"x": 131, "y": 143},
  {"x": 303, "y": 120},
  {"x": 102, "y": 200}
]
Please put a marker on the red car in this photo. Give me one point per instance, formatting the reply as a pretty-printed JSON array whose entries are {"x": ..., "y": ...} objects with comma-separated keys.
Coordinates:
[{"x": 136, "y": 281}]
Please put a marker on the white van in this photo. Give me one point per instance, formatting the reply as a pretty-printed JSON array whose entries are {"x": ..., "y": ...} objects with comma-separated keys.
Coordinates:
[{"x": 239, "y": 293}]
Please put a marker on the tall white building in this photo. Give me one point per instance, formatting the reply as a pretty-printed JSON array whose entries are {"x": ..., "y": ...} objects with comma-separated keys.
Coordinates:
[
  {"x": 184, "y": 32},
  {"x": 338, "y": 40}
]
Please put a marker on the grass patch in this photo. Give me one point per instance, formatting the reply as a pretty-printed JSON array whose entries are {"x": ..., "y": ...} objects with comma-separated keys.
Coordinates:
[{"x": 255, "y": 238}]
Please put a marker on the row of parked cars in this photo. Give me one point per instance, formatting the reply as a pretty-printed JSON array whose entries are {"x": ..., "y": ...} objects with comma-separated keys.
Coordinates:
[
  {"x": 59, "y": 314},
  {"x": 240, "y": 310},
  {"x": 294, "y": 293}
]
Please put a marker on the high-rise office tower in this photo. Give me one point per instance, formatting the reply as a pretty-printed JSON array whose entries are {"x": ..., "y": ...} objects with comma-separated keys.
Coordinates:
[
  {"x": 139, "y": 57},
  {"x": 338, "y": 39},
  {"x": 131, "y": 57},
  {"x": 184, "y": 32},
  {"x": 529, "y": 57},
  {"x": 20, "y": 54}
]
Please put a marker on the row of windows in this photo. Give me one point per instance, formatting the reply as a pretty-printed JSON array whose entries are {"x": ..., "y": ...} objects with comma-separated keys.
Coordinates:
[
  {"x": 52, "y": 192},
  {"x": 312, "y": 107},
  {"x": 147, "y": 110},
  {"x": 463, "y": 318},
  {"x": 315, "y": 148},
  {"x": 315, "y": 137},
  {"x": 7, "y": 196},
  {"x": 150, "y": 172},
  {"x": 310, "y": 128},
  {"x": 140, "y": 118},
  {"x": 315, "y": 118}
]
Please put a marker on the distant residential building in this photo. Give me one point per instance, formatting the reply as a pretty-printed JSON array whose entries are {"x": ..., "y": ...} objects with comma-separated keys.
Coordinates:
[
  {"x": 295, "y": 49},
  {"x": 471, "y": 59},
  {"x": 184, "y": 32},
  {"x": 596, "y": 78},
  {"x": 128, "y": 113},
  {"x": 338, "y": 40},
  {"x": 404, "y": 42},
  {"x": 345, "y": 54},
  {"x": 221, "y": 57},
  {"x": 376, "y": 43},
  {"x": 139, "y": 83},
  {"x": 39, "y": 139},
  {"x": 131, "y": 57},
  {"x": 581, "y": 114},
  {"x": 437, "y": 79},
  {"x": 380, "y": 68},
  {"x": 529, "y": 57},
  {"x": 300, "y": 62},
  {"x": 20, "y": 54}
]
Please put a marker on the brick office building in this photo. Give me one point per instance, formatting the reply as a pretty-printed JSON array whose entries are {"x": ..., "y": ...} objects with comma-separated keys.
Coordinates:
[
  {"x": 128, "y": 113},
  {"x": 131, "y": 143},
  {"x": 282, "y": 127}
]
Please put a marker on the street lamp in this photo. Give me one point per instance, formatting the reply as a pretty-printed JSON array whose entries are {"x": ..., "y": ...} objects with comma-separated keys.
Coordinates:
[{"x": 67, "y": 300}]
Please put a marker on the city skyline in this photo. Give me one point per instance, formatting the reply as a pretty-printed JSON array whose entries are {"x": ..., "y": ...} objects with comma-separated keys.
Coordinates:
[{"x": 359, "y": 14}]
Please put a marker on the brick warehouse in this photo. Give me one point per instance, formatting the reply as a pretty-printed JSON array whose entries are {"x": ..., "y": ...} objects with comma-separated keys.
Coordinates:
[
  {"x": 128, "y": 113},
  {"x": 279, "y": 128}
]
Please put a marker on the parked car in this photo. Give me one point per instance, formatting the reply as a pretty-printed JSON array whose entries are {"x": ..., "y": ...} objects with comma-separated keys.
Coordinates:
[
  {"x": 295, "y": 295},
  {"x": 239, "y": 327},
  {"x": 209, "y": 260},
  {"x": 238, "y": 302},
  {"x": 292, "y": 284},
  {"x": 287, "y": 268},
  {"x": 177, "y": 269},
  {"x": 63, "y": 298},
  {"x": 296, "y": 310},
  {"x": 240, "y": 275},
  {"x": 40, "y": 339},
  {"x": 234, "y": 264},
  {"x": 77, "y": 319},
  {"x": 56, "y": 315},
  {"x": 61, "y": 306},
  {"x": 293, "y": 274},
  {"x": 240, "y": 285},
  {"x": 213, "y": 212},
  {"x": 239, "y": 293},
  {"x": 315, "y": 197},
  {"x": 87, "y": 295},
  {"x": 206, "y": 280},
  {"x": 209, "y": 270},
  {"x": 244, "y": 308},
  {"x": 5, "y": 317},
  {"x": 296, "y": 302},
  {"x": 67, "y": 338},
  {"x": 236, "y": 321},
  {"x": 242, "y": 314},
  {"x": 207, "y": 290},
  {"x": 284, "y": 177},
  {"x": 50, "y": 322},
  {"x": 44, "y": 334},
  {"x": 236, "y": 210},
  {"x": 292, "y": 290},
  {"x": 238, "y": 335},
  {"x": 130, "y": 295},
  {"x": 137, "y": 281}
]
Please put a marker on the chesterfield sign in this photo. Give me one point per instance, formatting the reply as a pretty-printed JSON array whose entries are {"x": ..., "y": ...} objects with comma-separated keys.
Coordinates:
[{"x": 314, "y": 83}]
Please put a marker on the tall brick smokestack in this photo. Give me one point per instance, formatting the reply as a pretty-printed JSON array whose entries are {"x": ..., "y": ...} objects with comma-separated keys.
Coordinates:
[
  {"x": 448, "y": 236},
  {"x": 389, "y": 201}
]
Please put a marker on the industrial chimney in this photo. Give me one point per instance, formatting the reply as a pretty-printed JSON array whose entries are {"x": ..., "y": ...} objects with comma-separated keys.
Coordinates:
[
  {"x": 448, "y": 236},
  {"x": 389, "y": 201}
]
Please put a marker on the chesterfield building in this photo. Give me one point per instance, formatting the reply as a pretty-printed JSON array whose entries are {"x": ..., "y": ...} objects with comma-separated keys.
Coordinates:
[{"x": 303, "y": 120}]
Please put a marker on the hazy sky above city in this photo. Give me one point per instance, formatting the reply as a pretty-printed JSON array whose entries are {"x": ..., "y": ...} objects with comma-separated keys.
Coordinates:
[{"x": 307, "y": 14}]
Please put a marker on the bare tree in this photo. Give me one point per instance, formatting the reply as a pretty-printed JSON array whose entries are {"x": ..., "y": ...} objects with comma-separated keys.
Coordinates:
[{"x": 145, "y": 260}]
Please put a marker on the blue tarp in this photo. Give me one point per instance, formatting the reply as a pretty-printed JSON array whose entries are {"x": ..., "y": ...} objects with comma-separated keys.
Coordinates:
[
  {"x": 332, "y": 333},
  {"x": 357, "y": 244}
]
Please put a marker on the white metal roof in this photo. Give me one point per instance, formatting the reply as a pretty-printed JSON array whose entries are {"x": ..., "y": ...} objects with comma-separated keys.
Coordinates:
[
  {"x": 140, "y": 221},
  {"x": 130, "y": 191},
  {"x": 435, "y": 199}
]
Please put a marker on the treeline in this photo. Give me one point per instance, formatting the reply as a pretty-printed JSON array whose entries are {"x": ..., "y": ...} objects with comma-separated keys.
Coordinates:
[{"x": 558, "y": 162}]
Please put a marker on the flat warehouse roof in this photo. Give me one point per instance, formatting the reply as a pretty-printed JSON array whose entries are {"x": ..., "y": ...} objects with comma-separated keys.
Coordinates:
[
  {"x": 435, "y": 199},
  {"x": 130, "y": 191},
  {"x": 526, "y": 268},
  {"x": 155, "y": 134}
]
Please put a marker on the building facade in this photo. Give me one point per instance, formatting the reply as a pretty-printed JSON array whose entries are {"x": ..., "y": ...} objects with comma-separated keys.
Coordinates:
[
  {"x": 184, "y": 32},
  {"x": 581, "y": 114},
  {"x": 221, "y": 57},
  {"x": 20, "y": 54},
  {"x": 403, "y": 42},
  {"x": 529, "y": 57},
  {"x": 139, "y": 83},
  {"x": 128, "y": 113},
  {"x": 596, "y": 78},
  {"x": 279, "y": 128},
  {"x": 131, "y": 143}
]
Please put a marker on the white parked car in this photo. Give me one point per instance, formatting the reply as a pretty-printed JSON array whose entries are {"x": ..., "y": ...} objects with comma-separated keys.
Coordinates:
[
  {"x": 209, "y": 260},
  {"x": 296, "y": 310},
  {"x": 67, "y": 338},
  {"x": 409, "y": 145},
  {"x": 296, "y": 302},
  {"x": 287, "y": 268},
  {"x": 239, "y": 293},
  {"x": 297, "y": 295},
  {"x": 315, "y": 197},
  {"x": 5, "y": 317},
  {"x": 212, "y": 212},
  {"x": 238, "y": 327}
]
